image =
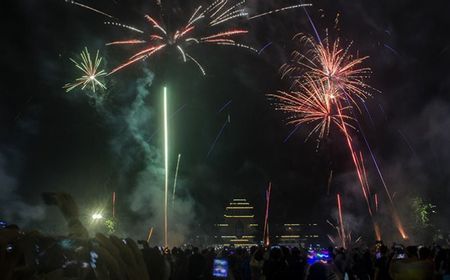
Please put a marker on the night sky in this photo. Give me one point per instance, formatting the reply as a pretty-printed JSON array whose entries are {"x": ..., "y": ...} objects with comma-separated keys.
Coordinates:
[{"x": 56, "y": 141}]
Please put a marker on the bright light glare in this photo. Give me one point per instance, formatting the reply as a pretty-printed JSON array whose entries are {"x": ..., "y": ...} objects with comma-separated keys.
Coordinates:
[{"x": 97, "y": 216}]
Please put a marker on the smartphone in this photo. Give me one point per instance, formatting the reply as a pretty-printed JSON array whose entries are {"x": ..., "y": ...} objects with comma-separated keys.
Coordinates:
[
  {"x": 3, "y": 224},
  {"x": 378, "y": 255},
  {"x": 220, "y": 268},
  {"x": 93, "y": 259}
]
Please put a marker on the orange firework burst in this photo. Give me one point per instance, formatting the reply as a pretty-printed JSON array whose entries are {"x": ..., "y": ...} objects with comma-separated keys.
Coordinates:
[
  {"x": 329, "y": 62},
  {"x": 315, "y": 102},
  {"x": 328, "y": 77}
]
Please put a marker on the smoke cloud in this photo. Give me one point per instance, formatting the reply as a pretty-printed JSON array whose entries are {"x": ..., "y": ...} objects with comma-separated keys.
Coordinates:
[{"x": 140, "y": 168}]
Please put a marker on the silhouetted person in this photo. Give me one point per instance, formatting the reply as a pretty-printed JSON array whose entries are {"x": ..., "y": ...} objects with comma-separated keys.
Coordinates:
[
  {"x": 196, "y": 266},
  {"x": 382, "y": 264},
  {"x": 275, "y": 267},
  {"x": 296, "y": 264},
  {"x": 321, "y": 271}
]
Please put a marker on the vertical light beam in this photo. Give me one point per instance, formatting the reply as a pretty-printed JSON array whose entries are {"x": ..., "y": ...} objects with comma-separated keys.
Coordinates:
[{"x": 166, "y": 167}]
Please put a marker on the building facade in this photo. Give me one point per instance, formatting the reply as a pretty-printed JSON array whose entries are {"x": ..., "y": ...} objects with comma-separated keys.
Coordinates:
[
  {"x": 239, "y": 227},
  {"x": 295, "y": 234}
]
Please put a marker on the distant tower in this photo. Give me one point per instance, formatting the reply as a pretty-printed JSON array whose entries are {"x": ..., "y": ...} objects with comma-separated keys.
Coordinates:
[{"x": 239, "y": 227}]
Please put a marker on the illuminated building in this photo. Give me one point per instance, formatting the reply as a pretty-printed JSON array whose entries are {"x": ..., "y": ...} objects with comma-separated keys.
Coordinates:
[
  {"x": 238, "y": 227},
  {"x": 305, "y": 234}
]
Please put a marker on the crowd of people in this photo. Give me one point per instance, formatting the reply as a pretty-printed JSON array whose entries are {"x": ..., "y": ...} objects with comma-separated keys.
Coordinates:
[
  {"x": 34, "y": 256},
  {"x": 31, "y": 255}
]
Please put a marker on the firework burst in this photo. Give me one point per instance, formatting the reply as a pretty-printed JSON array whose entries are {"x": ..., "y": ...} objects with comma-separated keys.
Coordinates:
[
  {"x": 333, "y": 85},
  {"x": 328, "y": 78},
  {"x": 207, "y": 25},
  {"x": 330, "y": 62},
  {"x": 213, "y": 24},
  {"x": 92, "y": 74},
  {"x": 314, "y": 103}
]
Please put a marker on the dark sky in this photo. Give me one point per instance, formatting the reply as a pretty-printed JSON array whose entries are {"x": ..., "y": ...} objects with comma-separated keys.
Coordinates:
[{"x": 53, "y": 141}]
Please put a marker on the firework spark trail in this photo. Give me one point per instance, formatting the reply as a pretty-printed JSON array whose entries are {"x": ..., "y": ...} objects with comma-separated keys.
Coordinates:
[
  {"x": 368, "y": 113},
  {"x": 149, "y": 235},
  {"x": 312, "y": 25},
  {"x": 331, "y": 239},
  {"x": 193, "y": 18},
  {"x": 391, "y": 49},
  {"x": 399, "y": 224},
  {"x": 89, "y": 8},
  {"x": 138, "y": 57},
  {"x": 376, "y": 202},
  {"x": 291, "y": 133},
  {"x": 91, "y": 72},
  {"x": 364, "y": 172},
  {"x": 344, "y": 238},
  {"x": 383, "y": 111},
  {"x": 124, "y": 26},
  {"x": 217, "y": 137},
  {"x": 331, "y": 224},
  {"x": 231, "y": 13},
  {"x": 357, "y": 163},
  {"x": 377, "y": 231},
  {"x": 200, "y": 67},
  {"x": 166, "y": 168},
  {"x": 264, "y": 47},
  {"x": 114, "y": 204},
  {"x": 224, "y": 34},
  {"x": 225, "y": 105},
  {"x": 266, "y": 216},
  {"x": 280, "y": 10},
  {"x": 175, "y": 180},
  {"x": 126, "y": 42},
  {"x": 182, "y": 53},
  {"x": 374, "y": 160},
  {"x": 395, "y": 215},
  {"x": 329, "y": 182},
  {"x": 341, "y": 220},
  {"x": 407, "y": 142}
]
